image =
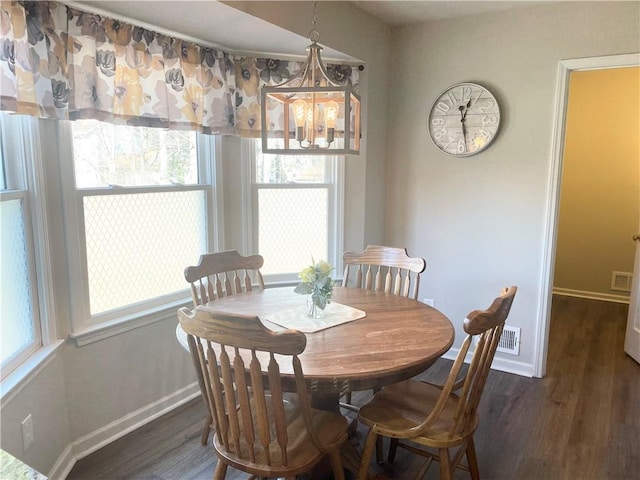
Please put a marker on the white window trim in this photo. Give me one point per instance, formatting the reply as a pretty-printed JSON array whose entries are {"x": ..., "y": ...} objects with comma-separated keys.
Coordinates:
[
  {"x": 247, "y": 154},
  {"x": 25, "y": 131},
  {"x": 84, "y": 328},
  {"x": 211, "y": 146},
  {"x": 335, "y": 208}
]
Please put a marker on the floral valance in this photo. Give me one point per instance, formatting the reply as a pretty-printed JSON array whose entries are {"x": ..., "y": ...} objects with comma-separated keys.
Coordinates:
[{"x": 62, "y": 63}]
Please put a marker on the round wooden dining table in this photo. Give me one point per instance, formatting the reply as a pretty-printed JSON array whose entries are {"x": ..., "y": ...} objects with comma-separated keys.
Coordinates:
[{"x": 396, "y": 340}]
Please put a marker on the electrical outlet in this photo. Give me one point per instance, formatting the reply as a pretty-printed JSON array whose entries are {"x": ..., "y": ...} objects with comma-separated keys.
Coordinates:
[
  {"x": 27, "y": 432},
  {"x": 429, "y": 301}
]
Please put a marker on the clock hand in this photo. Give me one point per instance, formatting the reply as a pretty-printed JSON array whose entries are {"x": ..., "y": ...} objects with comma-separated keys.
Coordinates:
[
  {"x": 463, "y": 114},
  {"x": 466, "y": 110},
  {"x": 464, "y": 135}
]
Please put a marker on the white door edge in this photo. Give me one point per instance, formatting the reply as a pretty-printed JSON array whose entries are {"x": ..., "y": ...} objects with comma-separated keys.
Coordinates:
[{"x": 632, "y": 334}]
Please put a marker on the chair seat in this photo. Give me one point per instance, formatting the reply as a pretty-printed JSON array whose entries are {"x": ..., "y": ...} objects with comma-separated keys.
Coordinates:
[
  {"x": 330, "y": 429},
  {"x": 405, "y": 405}
]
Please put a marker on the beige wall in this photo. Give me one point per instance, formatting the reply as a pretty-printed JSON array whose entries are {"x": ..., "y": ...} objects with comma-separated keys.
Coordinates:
[
  {"x": 599, "y": 207},
  {"x": 44, "y": 398},
  {"x": 480, "y": 221}
]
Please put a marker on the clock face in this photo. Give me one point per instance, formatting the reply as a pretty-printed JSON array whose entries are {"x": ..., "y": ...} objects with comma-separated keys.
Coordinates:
[{"x": 464, "y": 120}]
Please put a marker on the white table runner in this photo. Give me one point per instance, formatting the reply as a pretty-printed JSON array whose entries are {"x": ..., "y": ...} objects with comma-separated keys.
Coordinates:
[{"x": 297, "y": 318}]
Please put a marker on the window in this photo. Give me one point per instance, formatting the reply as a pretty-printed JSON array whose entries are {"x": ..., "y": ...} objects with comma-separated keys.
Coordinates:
[
  {"x": 141, "y": 203},
  {"x": 20, "y": 332},
  {"x": 296, "y": 210}
]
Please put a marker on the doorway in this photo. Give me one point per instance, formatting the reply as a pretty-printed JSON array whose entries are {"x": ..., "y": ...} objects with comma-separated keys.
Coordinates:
[{"x": 559, "y": 135}]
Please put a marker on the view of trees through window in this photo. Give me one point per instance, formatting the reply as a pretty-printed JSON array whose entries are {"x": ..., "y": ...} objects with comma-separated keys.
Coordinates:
[
  {"x": 106, "y": 154},
  {"x": 289, "y": 168}
]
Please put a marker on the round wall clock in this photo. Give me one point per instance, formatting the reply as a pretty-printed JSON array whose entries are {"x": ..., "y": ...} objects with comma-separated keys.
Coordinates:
[{"x": 464, "y": 120}]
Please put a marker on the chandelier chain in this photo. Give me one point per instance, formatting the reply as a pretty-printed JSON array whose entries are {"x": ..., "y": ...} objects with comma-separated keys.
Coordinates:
[{"x": 314, "y": 35}]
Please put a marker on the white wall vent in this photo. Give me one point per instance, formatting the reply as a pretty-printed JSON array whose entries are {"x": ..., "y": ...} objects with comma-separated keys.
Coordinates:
[
  {"x": 509, "y": 340},
  {"x": 621, "y": 281}
]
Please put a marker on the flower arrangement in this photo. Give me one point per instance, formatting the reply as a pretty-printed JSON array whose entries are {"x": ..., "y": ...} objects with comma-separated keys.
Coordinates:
[{"x": 318, "y": 284}]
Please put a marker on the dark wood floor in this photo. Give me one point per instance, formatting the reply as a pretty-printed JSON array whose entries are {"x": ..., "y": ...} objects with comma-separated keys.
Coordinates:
[{"x": 582, "y": 421}]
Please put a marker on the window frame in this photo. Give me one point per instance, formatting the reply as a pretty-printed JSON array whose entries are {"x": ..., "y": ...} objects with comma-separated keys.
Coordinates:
[
  {"x": 334, "y": 183},
  {"x": 36, "y": 323},
  {"x": 86, "y": 328},
  {"x": 25, "y": 180}
]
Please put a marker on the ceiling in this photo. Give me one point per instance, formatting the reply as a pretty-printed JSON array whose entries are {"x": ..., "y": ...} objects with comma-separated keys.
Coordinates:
[
  {"x": 216, "y": 22},
  {"x": 209, "y": 22},
  {"x": 399, "y": 13}
]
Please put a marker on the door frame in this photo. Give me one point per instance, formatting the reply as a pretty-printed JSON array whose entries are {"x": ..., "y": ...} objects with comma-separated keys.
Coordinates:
[{"x": 565, "y": 67}]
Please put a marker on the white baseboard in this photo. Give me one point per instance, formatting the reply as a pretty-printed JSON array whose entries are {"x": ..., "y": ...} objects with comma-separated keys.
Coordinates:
[
  {"x": 499, "y": 363},
  {"x": 606, "y": 297},
  {"x": 109, "y": 433},
  {"x": 63, "y": 465}
]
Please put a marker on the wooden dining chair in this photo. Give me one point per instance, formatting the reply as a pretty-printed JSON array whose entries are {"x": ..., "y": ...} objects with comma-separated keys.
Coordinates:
[
  {"x": 381, "y": 268},
  {"x": 216, "y": 275},
  {"x": 435, "y": 419},
  {"x": 256, "y": 430},
  {"x": 220, "y": 274},
  {"x": 387, "y": 269}
]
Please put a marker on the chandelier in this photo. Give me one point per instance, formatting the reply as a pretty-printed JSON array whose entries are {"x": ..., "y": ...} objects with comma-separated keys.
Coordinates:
[{"x": 309, "y": 114}]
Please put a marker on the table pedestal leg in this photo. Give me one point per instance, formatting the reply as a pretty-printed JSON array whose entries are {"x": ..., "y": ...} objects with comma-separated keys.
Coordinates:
[
  {"x": 350, "y": 455},
  {"x": 329, "y": 402}
]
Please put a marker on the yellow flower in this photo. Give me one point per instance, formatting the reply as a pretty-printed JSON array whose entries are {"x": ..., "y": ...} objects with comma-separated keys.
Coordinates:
[
  {"x": 13, "y": 16},
  {"x": 308, "y": 275},
  {"x": 324, "y": 268},
  {"x": 128, "y": 92},
  {"x": 27, "y": 98},
  {"x": 249, "y": 118},
  {"x": 192, "y": 97}
]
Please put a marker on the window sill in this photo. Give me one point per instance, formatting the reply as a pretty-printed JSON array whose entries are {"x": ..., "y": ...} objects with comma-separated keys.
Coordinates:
[
  {"x": 95, "y": 333},
  {"x": 20, "y": 377},
  {"x": 103, "y": 330}
]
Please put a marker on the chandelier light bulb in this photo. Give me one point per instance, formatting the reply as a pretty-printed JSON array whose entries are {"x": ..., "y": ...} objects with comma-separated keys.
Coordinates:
[
  {"x": 330, "y": 115},
  {"x": 300, "y": 117}
]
